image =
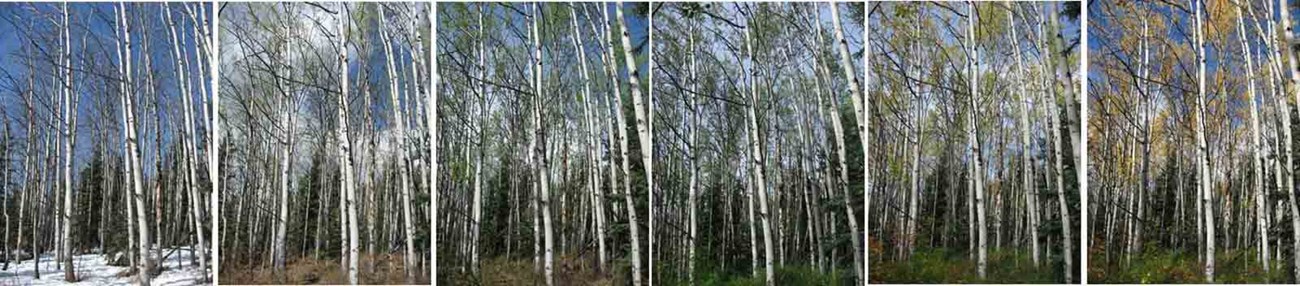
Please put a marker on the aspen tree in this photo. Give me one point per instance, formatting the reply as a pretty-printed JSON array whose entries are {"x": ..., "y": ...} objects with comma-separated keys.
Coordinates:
[
  {"x": 542, "y": 163},
  {"x": 593, "y": 178},
  {"x": 133, "y": 150},
  {"x": 611, "y": 63},
  {"x": 1256, "y": 149},
  {"x": 345, "y": 150},
  {"x": 192, "y": 150},
  {"x": 69, "y": 140},
  {"x": 755, "y": 143},
  {"x": 1203, "y": 157},
  {"x": 400, "y": 136},
  {"x": 860, "y": 107},
  {"x": 288, "y": 115},
  {"x": 432, "y": 118},
  {"x": 6, "y": 195},
  {"x": 477, "y": 204},
  {"x": 692, "y": 196},
  {"x": 1031, "y": 194},
  {"x": 972, "y": 135},
  {"x": 1294, "y": 90},
  {"x": 640, "y": 108}
]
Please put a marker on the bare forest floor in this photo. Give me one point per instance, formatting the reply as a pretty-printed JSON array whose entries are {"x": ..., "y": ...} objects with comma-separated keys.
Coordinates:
[
  {"x": 937, "y": 265},
  {"x": 1173, "y": 266},
  {"x": 388, "y": 269}
]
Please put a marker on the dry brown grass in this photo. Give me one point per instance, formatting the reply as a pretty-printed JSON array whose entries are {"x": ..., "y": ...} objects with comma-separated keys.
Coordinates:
[{"x": 388, "y": 269}]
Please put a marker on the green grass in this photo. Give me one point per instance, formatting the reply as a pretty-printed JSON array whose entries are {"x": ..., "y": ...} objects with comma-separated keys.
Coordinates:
[
  {"x": 934, "y": 266},
  {"x": 1176, "y": 267}
]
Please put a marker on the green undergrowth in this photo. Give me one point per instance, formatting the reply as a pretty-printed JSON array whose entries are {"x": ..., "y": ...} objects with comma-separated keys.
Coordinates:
[
  {"x": 935, "y": 266},
  {"x": 1177, "y": 266},
  {"x": 568, "y": 270},
  {"x": 787, "y": 275}
]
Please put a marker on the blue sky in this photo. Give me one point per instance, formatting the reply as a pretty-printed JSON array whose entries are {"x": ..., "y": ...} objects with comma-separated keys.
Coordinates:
[{"x": 93, "y": 27}]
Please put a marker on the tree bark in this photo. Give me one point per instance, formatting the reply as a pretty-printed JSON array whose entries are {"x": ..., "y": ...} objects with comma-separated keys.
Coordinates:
[
  {"x": 349, "y": 194},
  {"x": 400, "y": 136},
  {"x": 133, "y": 151},
  {"x": 1027, "y": 179},
  {"x": 755, "y": 143},
  {"x": 542, "y": 167},
  {"x": 69, "y": 140},
  {"x": 972, "y": 133},
  {"x": 861, "y": 107}
]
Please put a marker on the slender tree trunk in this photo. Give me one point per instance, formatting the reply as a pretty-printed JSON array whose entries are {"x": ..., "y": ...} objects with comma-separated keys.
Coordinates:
[
  {"x": 755, "y": 143},
  {"x": 400, "y": 120},
  {"x": 972, "y": 133},
  {"x": 5, "y": 195},
  {"x": 478, "y": 157},
  {"x": 1203, "y": 155},
  {"x": 432, "y": 118},
  {"x": 69, "y": 140},
  {"x": 1031, "y": 194},
  {"x": 133, "y": 150},
  {"x": 633, "y": 227},
  {"x": 593, "y": 177},
  {"x": 693, "y": 138},
  {"x": 1256, "y": 149},
  {"x": 860, "y": 107},
  {"x": 542, "y": 164},
  {"x": 1295, "y": 92},
  {"x": 190, "y": 142},
  {"x": 349, "y": 194}
]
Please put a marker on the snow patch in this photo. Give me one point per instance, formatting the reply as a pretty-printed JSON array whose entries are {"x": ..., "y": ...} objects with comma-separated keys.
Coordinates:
[{"x": 93, "y": 269}]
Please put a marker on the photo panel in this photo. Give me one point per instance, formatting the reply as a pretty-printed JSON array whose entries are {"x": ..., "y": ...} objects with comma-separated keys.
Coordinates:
[
  {"x": 978, "y": 160},
  {"x": 326, "y": 131},
  {"x": 548, "y": 160},
  {"x": 759, "y": 133}
]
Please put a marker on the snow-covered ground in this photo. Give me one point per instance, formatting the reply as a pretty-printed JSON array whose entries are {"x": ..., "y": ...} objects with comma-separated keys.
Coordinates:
[{"x": 93, "y": 269}]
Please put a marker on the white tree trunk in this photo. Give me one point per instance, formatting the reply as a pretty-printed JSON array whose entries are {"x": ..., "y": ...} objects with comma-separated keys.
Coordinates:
[
  {"x": 860, "y": 107},
  {"x": 69, "y": 140},
  {"x": 543, "y": 179},
  {"x": 1203, "y": 155},
  {"x": 634, "y": 229},
  {"x": 1256, "y": 149},
  {"x": 400, "y": 120},
  {"x": 640, "y": 108},
  {"x": 1294, "y": 89},
  {"x": 694, "y": 159},
  {"x": 1027, "y": 179},
  {"x": 972, "y": 133},
  {"x": 478, "y": 157},
  {"x": 192, "y": 150},
  {"x": 349, "y": 194},
  {"x": 593, "y": 178},
  {"x": 133, "y": 148},
  {"x": 755, "y": 143}
]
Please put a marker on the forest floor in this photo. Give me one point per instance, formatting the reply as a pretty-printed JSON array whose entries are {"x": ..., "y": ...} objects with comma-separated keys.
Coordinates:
[
  {"x": 1171, "y": 266},
  {"x": 388, "y": 269},
  {"x": 932, "y": 266},
  {"x": 789, "y": 274},
  {"x": 94, "y": 269},
  {"x": 568, "y": 271}
]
